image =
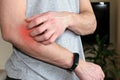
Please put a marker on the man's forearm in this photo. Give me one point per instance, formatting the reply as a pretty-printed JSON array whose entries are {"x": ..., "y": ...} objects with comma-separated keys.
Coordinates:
[
  {"x": 14, "y": 30},
  {"x": 83, "y": 23},
  {"x": 53, "y": 53}
]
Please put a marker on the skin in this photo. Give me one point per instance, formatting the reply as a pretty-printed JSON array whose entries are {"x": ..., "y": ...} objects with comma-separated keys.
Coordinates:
[
  {"x": 51, "y": 22},
  {"x": 21, "y": 32}
]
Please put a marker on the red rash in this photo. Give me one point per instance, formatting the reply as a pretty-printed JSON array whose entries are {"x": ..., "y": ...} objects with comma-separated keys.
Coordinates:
[{"x": 25, "y": 33}]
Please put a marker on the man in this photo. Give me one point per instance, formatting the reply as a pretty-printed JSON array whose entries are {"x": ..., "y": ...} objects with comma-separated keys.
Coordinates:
[{"x": 44, "y": 43}]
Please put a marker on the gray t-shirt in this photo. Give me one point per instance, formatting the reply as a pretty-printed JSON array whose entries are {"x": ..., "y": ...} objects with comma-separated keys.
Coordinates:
[{"x": 25, "y": 67}]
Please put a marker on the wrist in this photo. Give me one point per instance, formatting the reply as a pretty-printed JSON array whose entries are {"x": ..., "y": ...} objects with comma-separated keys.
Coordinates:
[
  {"x": 72, "y": 19},
  {"x": 78, "y": 69},
  {"x": 75, "y": 62},
  {"x": 69, "y": 18}
]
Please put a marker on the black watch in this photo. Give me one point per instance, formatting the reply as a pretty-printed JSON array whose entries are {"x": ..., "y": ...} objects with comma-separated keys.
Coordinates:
[{"x": 75, "y": 62}]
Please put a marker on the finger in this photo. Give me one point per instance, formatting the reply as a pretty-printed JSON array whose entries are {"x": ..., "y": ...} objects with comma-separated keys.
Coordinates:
[
  {"x": 103, "y": 75},
  {"x": 39, "y": 30},
  {"x": 101, "y": 72},
  {"x": 102, "y": 78},
  {"x": 51, "y": 40},
  {"x": 33, "y": 17},
  {"x": 37, "y": 21},
  {"x": 45, "y": 36}
]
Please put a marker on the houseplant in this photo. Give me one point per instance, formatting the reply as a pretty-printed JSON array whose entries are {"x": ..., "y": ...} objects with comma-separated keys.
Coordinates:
[{"x": 105, "y": 55}]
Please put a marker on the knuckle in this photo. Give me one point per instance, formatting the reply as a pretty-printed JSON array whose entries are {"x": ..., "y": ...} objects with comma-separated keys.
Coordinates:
[
  {"x": 40, "y": 29},
  {"x": 36, "y": 21},
  {"x": 34, "y": 33},
  {"x": 45, "y": 37}
]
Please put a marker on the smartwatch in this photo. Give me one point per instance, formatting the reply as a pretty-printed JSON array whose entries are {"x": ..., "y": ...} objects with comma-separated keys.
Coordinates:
[{"x": 75, "y": 62}]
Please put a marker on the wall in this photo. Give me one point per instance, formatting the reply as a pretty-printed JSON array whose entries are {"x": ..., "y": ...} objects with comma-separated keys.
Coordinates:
[
  {"x": 118, "y": 29},
  {"x": 5, "y": 52},
  {"x": 113, "y": 22}
]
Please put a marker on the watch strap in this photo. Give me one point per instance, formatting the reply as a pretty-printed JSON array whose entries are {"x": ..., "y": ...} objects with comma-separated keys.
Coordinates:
[{"x": 75, "y": 62}]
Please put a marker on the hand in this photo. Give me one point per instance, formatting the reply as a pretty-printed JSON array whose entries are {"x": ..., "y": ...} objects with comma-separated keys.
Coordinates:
[
  {"x": 89, "y": 71},
  {"x": 47, "y": 27}
]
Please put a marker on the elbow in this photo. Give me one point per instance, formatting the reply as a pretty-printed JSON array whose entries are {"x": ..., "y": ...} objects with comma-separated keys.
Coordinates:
[
  {"x": 6, "y": 37},
  {"x": 7, "y": 33}
]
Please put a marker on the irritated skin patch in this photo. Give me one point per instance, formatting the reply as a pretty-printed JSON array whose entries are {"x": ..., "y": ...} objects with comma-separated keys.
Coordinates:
[
  {"x": 27, "y": 39},
  {"x": 25, "y": 33}
]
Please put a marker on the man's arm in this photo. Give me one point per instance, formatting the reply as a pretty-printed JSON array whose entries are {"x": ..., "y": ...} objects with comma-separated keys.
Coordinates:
[
  {"x": 13, "y": 25},
  {"x": 85, "y": 22}
]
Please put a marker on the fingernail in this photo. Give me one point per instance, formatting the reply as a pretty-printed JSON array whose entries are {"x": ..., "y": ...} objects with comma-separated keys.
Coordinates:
[
  {"x": 32, "y": 34},
  {"x": 30, "y": 25},
  {"x": 27, "y": 20}
]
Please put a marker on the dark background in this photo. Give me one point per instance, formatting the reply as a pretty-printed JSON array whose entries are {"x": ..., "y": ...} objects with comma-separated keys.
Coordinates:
[{"x": 102, "y": 13}]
